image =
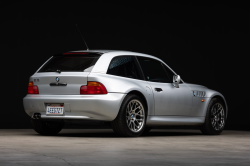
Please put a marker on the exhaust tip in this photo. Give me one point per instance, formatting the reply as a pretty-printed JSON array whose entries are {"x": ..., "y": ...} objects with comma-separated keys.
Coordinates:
[{"x": 36, "y": 116}]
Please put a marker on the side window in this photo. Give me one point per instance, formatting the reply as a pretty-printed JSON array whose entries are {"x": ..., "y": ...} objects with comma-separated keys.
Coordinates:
[
  {"x": 169, "y": 73},
  {"x": 153, "y": 70},
  {"x": 124, "y": 66}
]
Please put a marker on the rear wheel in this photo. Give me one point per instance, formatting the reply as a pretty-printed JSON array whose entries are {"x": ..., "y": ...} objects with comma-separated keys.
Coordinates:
[
  {"x": 215, "y": 118},
  {"x": 47, "y": 127},
  {"x": 131, "y": 119}
]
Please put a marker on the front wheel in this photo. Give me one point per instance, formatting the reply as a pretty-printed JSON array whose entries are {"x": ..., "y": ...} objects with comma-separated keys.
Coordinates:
[
  {"x": 131, "y": 119},
  {"x": 215, "y": 118}
]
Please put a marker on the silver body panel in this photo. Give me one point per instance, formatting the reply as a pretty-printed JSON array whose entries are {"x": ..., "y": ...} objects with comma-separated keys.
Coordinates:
[
  {"x": 171, "y": 100},
  {"x": 97, "y": 107},
  {"x": 74, "y": 81},
  {"x": 172, "y": 106},
  {"x": 174, "y": 120}
]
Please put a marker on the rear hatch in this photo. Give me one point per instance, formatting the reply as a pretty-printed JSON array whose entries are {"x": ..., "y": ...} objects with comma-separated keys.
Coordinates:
[{"x": 64, "y": 74}]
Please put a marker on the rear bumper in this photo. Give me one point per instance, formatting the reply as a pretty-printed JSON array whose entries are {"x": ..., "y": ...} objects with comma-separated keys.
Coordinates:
[{"x": 96, "y": 107}]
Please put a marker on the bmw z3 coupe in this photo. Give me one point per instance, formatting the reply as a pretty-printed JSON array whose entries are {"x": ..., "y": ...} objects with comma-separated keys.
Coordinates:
[{"x": 132, "y": 91}]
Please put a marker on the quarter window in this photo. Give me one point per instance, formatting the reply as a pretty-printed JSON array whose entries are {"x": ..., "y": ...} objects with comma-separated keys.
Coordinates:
[
  {"x": 124, "y": 66},
  {"x": 153, "y": 70}
]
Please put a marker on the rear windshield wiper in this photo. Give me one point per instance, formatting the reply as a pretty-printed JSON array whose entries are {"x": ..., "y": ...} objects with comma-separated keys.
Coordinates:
[{"x": 59, "y": 71}]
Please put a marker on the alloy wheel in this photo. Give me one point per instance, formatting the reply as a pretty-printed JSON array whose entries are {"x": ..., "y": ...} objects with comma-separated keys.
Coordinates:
[
  {"x": 217, "y": 116},
  {"x": 135, "y": 115}
]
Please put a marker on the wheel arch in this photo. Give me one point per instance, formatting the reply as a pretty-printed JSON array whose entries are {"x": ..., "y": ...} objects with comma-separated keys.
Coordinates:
[
  {"x": 223, "y": 101},
  {"x": 138, "y": 93}
]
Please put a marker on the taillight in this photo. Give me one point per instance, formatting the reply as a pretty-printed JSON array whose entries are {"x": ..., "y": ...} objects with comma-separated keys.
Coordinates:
[
  {"x": 32, "y": 89},
  {"x": 93, "y": 88}
]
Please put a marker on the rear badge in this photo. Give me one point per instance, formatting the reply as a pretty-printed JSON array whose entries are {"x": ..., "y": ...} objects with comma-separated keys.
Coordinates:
[{"x": 57, "y": 79}]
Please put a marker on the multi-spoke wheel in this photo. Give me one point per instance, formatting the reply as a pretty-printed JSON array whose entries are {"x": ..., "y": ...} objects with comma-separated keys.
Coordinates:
[
  {"x": 135, "y": 115},
  {"x": 215, "y": 118},
  {"x": 131, "y": 118}
]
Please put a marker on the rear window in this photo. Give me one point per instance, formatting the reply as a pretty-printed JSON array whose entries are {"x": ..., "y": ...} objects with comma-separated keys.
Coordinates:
[{"x": 70, "y": 63}]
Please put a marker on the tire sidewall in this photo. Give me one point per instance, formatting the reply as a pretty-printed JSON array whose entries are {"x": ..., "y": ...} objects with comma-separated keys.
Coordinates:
[
  {"x": 123, "y": 115},
  {"x": 209, "y": 114}
]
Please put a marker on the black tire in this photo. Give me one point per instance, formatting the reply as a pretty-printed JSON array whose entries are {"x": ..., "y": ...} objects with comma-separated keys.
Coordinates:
[
  {"x": 146, "y": 130},
  {"x": 120, "y": 125},
  {"x": 47, "y": 127},
  {"x": 210, "y": 127}
]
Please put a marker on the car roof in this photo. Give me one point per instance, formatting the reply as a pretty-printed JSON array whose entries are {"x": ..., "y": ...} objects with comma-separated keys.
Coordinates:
[
  {"x": 117, "y": 52},
  {"x": 97, "y": 51},
  {"x": 107, "y": 55}
]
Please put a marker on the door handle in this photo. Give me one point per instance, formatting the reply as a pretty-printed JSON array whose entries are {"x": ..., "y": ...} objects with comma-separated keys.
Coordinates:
[{"x": 158, "y": 89}]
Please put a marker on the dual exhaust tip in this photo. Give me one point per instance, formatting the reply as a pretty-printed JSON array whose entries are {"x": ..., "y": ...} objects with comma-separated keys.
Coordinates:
[{"x": 36, "y": 116}]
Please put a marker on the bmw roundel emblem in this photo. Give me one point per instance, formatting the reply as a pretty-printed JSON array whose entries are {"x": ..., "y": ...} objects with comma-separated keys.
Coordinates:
[{"x": 57, "y": 79}]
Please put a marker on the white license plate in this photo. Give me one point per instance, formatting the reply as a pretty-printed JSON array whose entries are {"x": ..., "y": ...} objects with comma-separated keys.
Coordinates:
[{"x": 54, "y": 109}]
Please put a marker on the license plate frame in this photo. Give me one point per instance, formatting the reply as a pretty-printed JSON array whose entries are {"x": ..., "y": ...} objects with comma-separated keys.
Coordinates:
[{"x": 54, "y": 109}]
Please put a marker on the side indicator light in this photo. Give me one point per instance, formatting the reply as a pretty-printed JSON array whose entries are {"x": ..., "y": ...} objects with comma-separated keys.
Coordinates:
[
  {"x": 30, "y": 83},
  {"x": 202, "y": 100}
]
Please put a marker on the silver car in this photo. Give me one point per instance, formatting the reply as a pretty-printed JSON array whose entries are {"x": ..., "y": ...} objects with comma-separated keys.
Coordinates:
[{"x": 132, "y": 91}]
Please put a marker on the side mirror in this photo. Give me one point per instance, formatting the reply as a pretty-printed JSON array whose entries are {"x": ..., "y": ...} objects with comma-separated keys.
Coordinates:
[{"x": 176, "y": 81}]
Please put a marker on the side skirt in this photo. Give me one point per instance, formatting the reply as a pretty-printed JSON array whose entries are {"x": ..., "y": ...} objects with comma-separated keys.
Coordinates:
[{"x": 174, "y": 120}]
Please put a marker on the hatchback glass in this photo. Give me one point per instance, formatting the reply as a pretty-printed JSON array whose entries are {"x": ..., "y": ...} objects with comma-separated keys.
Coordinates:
[{"x": 70, "y": 63}]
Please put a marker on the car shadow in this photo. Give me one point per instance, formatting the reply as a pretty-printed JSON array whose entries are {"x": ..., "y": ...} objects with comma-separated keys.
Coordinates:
[{"x": 111, "y": 134}]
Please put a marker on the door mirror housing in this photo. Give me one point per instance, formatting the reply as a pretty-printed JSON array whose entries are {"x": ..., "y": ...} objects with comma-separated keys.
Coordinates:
[{"x": 176, "y": 81}]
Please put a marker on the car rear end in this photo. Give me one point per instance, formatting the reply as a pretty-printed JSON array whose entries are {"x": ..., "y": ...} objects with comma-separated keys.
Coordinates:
[{"x": 60, "y": 89}]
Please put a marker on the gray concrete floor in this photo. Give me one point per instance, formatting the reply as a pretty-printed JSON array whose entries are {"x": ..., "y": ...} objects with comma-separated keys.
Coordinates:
[{"x": 103, "y": 147}]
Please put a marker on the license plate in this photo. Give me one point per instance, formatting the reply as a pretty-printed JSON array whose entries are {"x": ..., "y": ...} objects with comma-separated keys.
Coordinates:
[{"x": 54, "y": 109}]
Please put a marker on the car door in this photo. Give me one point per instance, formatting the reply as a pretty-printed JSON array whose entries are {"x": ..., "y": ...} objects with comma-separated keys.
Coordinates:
[{"x": 168, "y": 99}]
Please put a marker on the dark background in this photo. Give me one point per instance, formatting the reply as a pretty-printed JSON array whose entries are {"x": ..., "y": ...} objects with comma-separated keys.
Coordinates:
[{"x": 204, "y": 43}]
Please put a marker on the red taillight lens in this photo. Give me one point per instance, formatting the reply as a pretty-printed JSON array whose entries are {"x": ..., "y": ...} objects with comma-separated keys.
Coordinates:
[
  {"x": 93, "y": 88},
  {"x": 35, "y": 89},
  {"x": 32, "y": 89}
]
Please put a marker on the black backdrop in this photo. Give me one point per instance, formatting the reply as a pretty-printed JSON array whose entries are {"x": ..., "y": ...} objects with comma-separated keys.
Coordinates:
[{"x": 206, "y": 44}]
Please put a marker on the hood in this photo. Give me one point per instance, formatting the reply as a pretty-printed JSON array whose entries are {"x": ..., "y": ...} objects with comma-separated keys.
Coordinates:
[{"x": 196, "y": 87}]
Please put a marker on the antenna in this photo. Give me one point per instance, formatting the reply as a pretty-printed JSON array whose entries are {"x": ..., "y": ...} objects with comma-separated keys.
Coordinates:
[{"x": 82, "y": 37}]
